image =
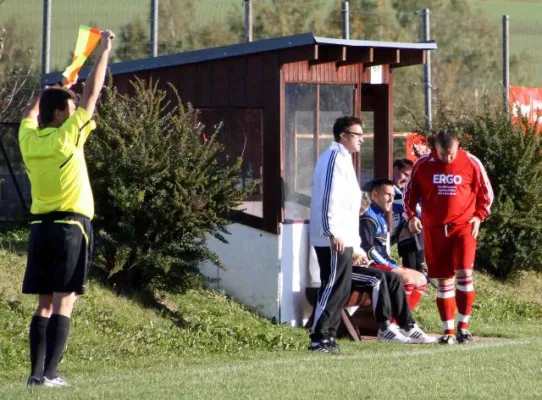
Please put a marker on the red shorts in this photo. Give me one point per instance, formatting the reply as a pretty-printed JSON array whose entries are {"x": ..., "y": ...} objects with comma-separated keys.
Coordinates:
[{"x": 449, "y": 250}]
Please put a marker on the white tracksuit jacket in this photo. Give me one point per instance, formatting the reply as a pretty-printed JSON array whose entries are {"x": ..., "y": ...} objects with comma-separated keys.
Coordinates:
[{"x": 336, "y": 199}]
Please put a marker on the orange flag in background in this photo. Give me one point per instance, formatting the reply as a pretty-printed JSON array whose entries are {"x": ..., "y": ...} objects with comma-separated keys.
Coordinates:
[{"x": 87, "y": 40}]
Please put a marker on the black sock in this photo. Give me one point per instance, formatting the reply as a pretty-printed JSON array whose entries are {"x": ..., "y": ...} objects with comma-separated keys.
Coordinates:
[
  {"x": 383, "y": 325},
  {"x": 38, "y": 329},
  {"x": 57, "y": 335},
  {"x": 408, "y": 327}
]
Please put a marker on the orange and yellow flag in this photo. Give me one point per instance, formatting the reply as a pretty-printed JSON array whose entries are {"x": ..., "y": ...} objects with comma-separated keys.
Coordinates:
[{"x": 87, "y": 40}]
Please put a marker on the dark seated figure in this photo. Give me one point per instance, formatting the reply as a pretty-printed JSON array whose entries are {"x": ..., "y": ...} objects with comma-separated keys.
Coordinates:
[{"x": 377, "y": 306}]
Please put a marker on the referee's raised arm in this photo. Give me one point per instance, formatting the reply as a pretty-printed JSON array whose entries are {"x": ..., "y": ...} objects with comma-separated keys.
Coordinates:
[{"x": 96, "y": 78}]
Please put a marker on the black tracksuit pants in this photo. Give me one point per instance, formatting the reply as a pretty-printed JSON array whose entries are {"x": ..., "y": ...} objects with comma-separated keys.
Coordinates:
[
  {"x": 410, "y": 255},
  {"x": 387, "y": 294},
  {"x": 336, "y": 284}
]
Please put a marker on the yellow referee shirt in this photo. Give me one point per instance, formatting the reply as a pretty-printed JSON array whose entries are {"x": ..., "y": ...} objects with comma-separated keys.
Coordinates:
[{"x": 55, "y": 164}]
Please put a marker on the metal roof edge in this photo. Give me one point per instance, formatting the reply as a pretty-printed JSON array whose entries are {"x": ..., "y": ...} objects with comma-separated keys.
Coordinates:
[
  {"x": 196, "y": 56},
  {"x": 429, "y": 45},
  {"x": 236, "y": 50}
]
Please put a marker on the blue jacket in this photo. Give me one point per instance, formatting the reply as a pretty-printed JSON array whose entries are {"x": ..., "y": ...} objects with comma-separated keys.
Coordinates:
[{"x": 373, "y": 231}]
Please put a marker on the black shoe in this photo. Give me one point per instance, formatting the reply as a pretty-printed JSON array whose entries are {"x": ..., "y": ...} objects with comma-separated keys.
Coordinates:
[
  {"x": 322, "y": 346},
  {"x": 333, "y": 346},
  {"x": 463, "y": 336},
  {"x": 33, "y": 381},
  {"x": 447, "y": 339}
]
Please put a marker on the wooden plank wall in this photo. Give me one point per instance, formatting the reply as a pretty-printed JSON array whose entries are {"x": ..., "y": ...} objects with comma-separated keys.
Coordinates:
[
  {"x": 304, "y": 72},
  {"x": 256, "y": 81},
  {"x": 243, "y": 82}
]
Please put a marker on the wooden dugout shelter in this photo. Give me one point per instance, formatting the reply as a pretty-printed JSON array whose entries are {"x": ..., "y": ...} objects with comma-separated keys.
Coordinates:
[{"x": 278, "y": 99}]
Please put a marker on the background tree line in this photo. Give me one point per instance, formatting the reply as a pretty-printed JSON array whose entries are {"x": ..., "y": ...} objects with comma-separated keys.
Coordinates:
[{"x": 466, "y": 66}]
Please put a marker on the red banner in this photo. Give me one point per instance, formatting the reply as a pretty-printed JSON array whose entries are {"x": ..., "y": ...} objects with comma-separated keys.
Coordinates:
[
  {"x": 528, "y": 102},
  {"x": 416, "y": 146}
]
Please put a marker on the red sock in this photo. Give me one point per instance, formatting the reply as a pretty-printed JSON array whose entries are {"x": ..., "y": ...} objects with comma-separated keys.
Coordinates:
[
  {"x": 416, "y": 296},
  {"x": 409, "y": 287},
  {"x": 446, "y": 307},
  {"x": 465, "y": 299}
]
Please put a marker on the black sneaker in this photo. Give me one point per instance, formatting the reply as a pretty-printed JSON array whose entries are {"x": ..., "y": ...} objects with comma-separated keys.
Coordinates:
[
  {"x": 447, "y": 339},
  {"x": 333, "y": 346},
  {"x": 463, "y": 336},
  {"x": 33, "y": 381},
  {"x": 322, "y": 346}
]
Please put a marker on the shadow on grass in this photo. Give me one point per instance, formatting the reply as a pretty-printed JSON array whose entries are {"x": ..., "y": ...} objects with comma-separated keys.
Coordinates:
[{"x": 144, "y": 297}]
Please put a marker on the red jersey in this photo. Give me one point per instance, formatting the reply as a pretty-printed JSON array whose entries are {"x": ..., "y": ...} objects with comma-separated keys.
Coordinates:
[{"x": 448, "y": 193}]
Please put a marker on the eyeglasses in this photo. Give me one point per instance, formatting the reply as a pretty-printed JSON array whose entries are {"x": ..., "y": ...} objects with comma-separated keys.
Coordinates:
[{"x": 357, "y": 134}]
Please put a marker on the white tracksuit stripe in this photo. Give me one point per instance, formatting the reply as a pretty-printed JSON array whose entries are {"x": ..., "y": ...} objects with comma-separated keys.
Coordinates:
[{"x": 321, "y": 306}]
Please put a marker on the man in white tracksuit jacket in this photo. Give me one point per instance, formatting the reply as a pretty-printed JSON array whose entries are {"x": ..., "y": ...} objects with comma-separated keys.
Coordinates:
[{"x": 334, "y": 229}]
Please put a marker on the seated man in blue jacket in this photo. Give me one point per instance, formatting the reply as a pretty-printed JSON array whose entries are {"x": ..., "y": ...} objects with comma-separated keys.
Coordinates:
[{"x": 374, "y": 234}]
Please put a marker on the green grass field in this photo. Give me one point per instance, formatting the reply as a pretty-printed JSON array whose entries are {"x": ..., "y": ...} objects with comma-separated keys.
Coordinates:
[
  {"x": 525, "y": 33},
  {"x": 518, "y": 10},
  {"x": 204, "y": 346},
  {"x": 505, "y": 369}
]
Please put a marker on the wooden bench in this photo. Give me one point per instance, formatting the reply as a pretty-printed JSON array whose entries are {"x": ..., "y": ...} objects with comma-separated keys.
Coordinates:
[{"x": 357, "y": 316}]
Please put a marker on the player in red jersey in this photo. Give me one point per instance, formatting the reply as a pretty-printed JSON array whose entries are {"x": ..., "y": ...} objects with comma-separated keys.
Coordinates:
[{"x": 456, "y": 196}]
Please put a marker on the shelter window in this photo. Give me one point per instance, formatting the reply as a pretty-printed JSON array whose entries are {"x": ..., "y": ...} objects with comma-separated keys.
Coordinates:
[
  {"x": 241, "y": 133},
  {"x": 310, "y": 112}
]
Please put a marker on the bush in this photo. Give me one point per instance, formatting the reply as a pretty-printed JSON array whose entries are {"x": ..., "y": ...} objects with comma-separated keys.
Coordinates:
[
  {"x": 158, "y": 188},
  {"x": 511, "y": 151}
]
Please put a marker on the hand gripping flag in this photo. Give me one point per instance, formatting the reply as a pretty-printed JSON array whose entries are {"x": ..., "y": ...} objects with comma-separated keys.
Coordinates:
[{"x": 87, "y": 40}]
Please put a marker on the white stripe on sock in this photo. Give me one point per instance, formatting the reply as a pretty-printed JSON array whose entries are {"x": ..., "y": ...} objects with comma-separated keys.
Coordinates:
[
  {"x": 446, "y": 295},
  {"x": 463, "y": 318},
  {"x": 448, "y": 324}
]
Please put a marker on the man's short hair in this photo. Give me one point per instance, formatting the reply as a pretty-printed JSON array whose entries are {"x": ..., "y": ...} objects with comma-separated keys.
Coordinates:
[
  {"x": 377, "y": 184},
  {"x": 54, "y": 99},
  {"x": 445, "y": 138},
  {"x": 402, "y": 163},
  {"x": 343, "y": 123}
]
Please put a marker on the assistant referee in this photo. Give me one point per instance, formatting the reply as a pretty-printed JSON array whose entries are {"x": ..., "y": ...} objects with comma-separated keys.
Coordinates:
[{"x": 52, "y": 136}]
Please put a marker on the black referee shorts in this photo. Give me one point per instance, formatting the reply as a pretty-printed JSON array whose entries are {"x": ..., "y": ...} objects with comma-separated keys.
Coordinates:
[{"x": 59, "y": 254}]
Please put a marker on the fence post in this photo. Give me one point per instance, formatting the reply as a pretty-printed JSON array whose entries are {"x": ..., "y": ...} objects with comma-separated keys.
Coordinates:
[
  {"x": 155, "y": 5},
  {"x": 248, "y": 21},
  {"x": 346, "y": 20},
  {"x": 427, "y": 72},
  {"x": 46, "y": 38},
  {"x": 506, "y": 60}
]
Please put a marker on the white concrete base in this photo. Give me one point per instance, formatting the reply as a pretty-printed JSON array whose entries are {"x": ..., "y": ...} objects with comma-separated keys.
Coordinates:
[
  {"x": 266, "y": 272},
  {"x": 252, "y": 267}
]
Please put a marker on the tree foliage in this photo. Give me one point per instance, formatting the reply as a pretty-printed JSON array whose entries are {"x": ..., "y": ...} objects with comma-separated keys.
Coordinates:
[
  {"x": 159, "y": 190},
  {"x": 18, "y": 77},
  {"x": 16, "y": 55},
  {"x": 276, "y": 18},
  {"x": 179, "y": 29},
  {"x": 512, "y": 153},
  {"x": 134, "y": 42}
]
